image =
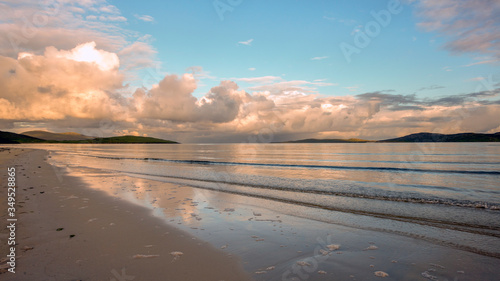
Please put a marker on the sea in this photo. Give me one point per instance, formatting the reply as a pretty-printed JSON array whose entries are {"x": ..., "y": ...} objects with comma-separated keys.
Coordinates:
[{"x": 444, "y": 193}]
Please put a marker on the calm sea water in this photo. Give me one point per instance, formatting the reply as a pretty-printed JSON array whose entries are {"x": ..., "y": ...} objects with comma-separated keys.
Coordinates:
[{"x": 446, "y": 193}]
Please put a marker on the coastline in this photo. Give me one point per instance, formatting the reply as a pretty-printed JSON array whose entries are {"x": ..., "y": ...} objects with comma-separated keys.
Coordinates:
[
  {"x": 112, "y": 239},
  {"x": 115, "y": 217}
]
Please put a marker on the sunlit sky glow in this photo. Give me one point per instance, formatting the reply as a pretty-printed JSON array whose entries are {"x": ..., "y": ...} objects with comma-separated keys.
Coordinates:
[{"x": 250, "y": 71}]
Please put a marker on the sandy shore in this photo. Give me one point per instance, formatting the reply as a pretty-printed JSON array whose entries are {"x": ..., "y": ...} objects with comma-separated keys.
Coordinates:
[
  {"x": 66, "y": 231},
  {"x": 126, "y": 228}
]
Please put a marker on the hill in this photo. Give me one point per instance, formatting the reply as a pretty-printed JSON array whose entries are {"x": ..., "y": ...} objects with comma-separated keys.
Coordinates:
[
  {"x": 328, "y": 141},
  {"x": 44, "y": 135},
  {"x": 431, "y": 137},
  {"x": 127, "y": 139},
  {"x": 8, "y": 137},
  {"x": 48, "y": 137}
]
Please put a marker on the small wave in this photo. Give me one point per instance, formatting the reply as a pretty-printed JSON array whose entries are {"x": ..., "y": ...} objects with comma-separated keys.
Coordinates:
[{"x": 382, "y": 169}]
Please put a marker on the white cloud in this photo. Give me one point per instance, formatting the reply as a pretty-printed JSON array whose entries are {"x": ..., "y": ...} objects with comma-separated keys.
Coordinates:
[
  {"x": 319, "y": 58},
  {"x": 247, "y": 43},
  {"x": 109, "y": 9},
  {"x": 145, "y": 18},
  {"x": 259, "y": 80},
  {"x": 352, "y": 88},
  {"x": 477, "y": 79},
  {"x": 87, "y": 53}
]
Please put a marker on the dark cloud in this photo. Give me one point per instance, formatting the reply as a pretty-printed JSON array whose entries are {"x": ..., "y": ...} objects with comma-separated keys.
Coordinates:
[{"x": 387, "y": 99}]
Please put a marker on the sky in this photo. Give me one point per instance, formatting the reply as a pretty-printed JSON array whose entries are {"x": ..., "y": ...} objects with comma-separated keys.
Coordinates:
[{"x": 208, "y": 71}]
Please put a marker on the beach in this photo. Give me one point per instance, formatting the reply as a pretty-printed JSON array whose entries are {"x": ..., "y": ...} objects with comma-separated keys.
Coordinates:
[
  {"x": 77, "y": 222},
  {"x": 99, "y": 237}
]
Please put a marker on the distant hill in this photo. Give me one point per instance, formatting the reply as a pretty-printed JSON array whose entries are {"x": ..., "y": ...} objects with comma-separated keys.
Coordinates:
[
  {"x": 463, "y": 137},
  {"x": 48, "y": 137},
  {"x": 57, "y": 136},
  {"x": 328, "y": 141},
  {"x": 8, "y": 137},
  {"x": 128, "y": 139}
]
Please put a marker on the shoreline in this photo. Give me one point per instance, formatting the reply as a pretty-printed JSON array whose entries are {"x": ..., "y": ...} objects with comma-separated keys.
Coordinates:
[
  {"x": 267, "y": 239},
  {"x": 67, "y": 231}
]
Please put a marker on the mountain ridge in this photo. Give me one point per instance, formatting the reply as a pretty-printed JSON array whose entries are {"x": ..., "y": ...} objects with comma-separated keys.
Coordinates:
[
  {"x": 49, "y": 136},
  {"x": 13, "y": 138}
]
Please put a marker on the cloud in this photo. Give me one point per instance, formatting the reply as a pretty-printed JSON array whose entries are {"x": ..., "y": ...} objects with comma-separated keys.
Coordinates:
[
  {"x": 487, "y": 61},
  {"x": 33, "y": 25},
  {"x": 352, "y": 88},
  {"x": 276, "y": 84},
  {"x": 109, "y": 9},
  {"x": 430, "y": 88},
  {"x": 172, "y": 100},
  {"x": 74, "y": 73},
  {"x": 319, "y": 58},
  {"x": 247, "y": 43},
  {"x": 68, "y": 89},
  {"x": 145, "y": 18},
  {"x": 78, "y": 83},
  {"x": 112, "y": 18},
  {"x": 138, "y": 55},
  {"x": 259, "y": 80},
  {"x": 199, "y": 73},
  {"x": 476, "y": 79},
  {"x": 86, "y": 53},
  {"x": 468, "y": 26}
]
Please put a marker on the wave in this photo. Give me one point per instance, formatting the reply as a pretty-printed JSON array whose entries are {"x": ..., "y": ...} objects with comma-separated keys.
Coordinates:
[{"x": 381, "y": 169}]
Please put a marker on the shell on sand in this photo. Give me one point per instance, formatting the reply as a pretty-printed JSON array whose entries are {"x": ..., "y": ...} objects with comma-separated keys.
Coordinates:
[
  {"x": 138, "y": 256},
  {"x": 177, "y": 254},
  {"x": 381, "y": 274},
  {"x": 333, "y": 247}
]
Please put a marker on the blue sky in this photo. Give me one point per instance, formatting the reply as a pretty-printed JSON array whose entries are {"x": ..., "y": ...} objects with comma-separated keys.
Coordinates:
[
  {"x": 235, "y": 70},
  {"x": 286, "y": 35}
]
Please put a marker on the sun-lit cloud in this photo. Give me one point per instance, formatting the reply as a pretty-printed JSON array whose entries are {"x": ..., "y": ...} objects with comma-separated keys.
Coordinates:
[
  {"x": 468, "y": 26},
  {"x": 81, "y": 88},
  {"x": 87, "y": 53},
  {"x": 83, "y": 71}
]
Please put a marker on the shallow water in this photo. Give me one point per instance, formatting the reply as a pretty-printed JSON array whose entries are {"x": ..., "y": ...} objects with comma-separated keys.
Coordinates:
[{"x": 446, "y": 193}]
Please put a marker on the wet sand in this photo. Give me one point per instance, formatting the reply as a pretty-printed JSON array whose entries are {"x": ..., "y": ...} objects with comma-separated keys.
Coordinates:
[
  {"x": 115, "y": 217},
  {"x": 66, "y": 231}
]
